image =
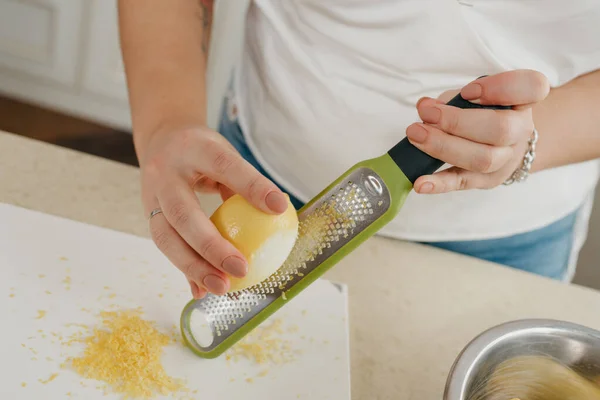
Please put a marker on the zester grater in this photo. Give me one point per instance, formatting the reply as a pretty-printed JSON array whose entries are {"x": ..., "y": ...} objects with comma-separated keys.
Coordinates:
[{"x": 336, "y": 221}]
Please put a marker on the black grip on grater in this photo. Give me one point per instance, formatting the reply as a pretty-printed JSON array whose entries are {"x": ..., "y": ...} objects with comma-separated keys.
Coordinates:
[{"x": 414, "y": 162}]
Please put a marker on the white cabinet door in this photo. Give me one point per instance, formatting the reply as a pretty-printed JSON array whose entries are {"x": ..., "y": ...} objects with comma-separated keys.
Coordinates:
[
  {"x": 103, "y": 71},
  {"x": 41, "y": 38}
]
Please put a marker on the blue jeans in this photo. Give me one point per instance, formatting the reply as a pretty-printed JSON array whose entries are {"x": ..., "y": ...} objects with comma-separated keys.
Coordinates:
[{"x": 544, "y": 251}]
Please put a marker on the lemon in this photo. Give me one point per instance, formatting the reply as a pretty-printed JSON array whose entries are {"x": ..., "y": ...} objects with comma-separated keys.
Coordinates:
[{"x": 265, "y": 240}]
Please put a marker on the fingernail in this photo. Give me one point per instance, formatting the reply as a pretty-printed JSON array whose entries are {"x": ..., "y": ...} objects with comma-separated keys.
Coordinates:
[
  {"x": 235, "y": 266},
  {"x": 427, "y": 187},
  {"x": 421, "y": 100},
  {"x": 215, "y": 284},
  {"x": 428, "y": 102},
  {"x": 416, "y": 133},
  {"x": 276, "y": 201},
  {"x": 472, "y": 91},
  {"x": 431, "y": 114}
]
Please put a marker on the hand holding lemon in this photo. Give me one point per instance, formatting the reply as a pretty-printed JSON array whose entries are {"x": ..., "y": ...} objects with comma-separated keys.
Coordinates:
[
  {"x": 175, "y": 163},
  {"x": 264, "y": 239}
]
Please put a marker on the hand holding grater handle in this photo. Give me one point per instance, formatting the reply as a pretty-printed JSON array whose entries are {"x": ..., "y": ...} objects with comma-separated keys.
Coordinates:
[
  {"x": 343, "y": 215},
  {"x": 414, "y": 162}
]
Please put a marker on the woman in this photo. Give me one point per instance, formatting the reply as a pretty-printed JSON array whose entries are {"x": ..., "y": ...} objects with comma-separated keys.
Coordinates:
[{"x": 324, "y": 84}]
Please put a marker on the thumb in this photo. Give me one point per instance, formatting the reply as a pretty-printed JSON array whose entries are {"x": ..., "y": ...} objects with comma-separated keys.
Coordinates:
[
  {"x": 230, "y": 169},
  {"x": 518, "y": 88}
]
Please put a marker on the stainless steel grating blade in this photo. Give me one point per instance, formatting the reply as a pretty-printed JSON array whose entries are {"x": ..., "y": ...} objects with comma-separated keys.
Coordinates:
[
  {"x": 325, "y": 226},
  {"x": 345, "y": 214}
]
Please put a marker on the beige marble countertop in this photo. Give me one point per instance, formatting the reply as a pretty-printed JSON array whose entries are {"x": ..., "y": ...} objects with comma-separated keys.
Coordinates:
[{"x": 412, "y": 308}]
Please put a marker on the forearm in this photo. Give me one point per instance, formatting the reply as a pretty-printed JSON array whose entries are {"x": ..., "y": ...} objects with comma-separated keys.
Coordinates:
[
  {"x": 164, "y": 45},
  {"x": 568, "y": 121}
]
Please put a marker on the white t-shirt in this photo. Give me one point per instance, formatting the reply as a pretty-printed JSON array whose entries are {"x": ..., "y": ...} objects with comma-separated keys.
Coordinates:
[{"x": 324, "y": 84}]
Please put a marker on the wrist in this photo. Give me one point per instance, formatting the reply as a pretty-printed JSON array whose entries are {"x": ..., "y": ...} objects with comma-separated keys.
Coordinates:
[
  {"x": 144, "y": 137},
  {"x": 525, "y": 167}
]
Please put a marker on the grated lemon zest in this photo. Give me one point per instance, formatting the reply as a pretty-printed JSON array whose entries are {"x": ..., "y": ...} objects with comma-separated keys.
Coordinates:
[
  {"x": 264, "y": 345},
  {"x": 50, "y": 379},
  {"x": 126, "y": 356}
]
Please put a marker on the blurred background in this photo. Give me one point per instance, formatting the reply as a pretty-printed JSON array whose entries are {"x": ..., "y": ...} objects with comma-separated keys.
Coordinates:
[{"x": 62, "y": 82}]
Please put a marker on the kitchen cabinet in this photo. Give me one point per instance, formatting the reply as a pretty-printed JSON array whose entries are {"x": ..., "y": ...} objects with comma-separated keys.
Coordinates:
[
  {"x": 64, "y": 55},
  {"x": 103, "y": 71},
  {"x": 39, "y": 39}
]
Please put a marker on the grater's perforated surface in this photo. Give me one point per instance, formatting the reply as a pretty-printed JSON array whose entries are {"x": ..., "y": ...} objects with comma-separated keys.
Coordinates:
[{"x": 327, "y": 225}]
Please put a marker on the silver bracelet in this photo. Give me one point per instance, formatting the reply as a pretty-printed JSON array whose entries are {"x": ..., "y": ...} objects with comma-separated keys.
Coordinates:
[{"x": 522, "y": 172}]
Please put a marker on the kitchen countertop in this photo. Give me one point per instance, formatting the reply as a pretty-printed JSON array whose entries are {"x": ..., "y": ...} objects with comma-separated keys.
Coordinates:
[{"x": 412, "y": 308}]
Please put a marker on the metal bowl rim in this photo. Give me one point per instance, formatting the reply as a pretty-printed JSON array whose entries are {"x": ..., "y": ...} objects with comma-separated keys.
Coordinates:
[{"x": 463, "y": 365}]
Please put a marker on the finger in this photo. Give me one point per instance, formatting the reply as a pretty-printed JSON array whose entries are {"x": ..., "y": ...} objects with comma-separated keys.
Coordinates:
[
  {"x": 226, "y": 166},
  {"x": 457, "y": 151},
  {"x": 225, "y": 192},
  {"x": 195, "y": 289},
  {"x": 452, "y": 179},
  {"x": 494, "y": 127},
  {"x": 182, "y": 210},
  {"x": 512, "y": 88},
  {"x": 202, "y": 293},
  {"x": 206, "y": 185},
  {"x": 180, "y": 254},
  {"x": 428, "y": 102}
]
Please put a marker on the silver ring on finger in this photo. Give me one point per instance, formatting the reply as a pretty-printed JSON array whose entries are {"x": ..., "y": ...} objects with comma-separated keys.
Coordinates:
[{"x": 154, "y": 212}]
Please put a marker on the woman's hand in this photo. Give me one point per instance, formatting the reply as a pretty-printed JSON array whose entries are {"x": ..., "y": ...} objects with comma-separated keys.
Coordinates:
[
  {"x": 483, "y": 146},
  {"x": 176, "y": 163}
]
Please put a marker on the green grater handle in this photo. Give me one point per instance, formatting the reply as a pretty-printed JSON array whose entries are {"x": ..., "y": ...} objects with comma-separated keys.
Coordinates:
[
  {"x": 415, "y": 163},
  {"x": 395, "y": 168}
]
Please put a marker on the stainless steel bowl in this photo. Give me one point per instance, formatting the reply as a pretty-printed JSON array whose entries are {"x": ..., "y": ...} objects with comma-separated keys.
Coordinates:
[{"x": 574, "y": 345}]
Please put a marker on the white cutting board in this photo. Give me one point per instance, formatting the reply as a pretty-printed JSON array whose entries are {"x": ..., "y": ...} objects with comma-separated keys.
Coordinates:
[{"x": 37, "y": 253}]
